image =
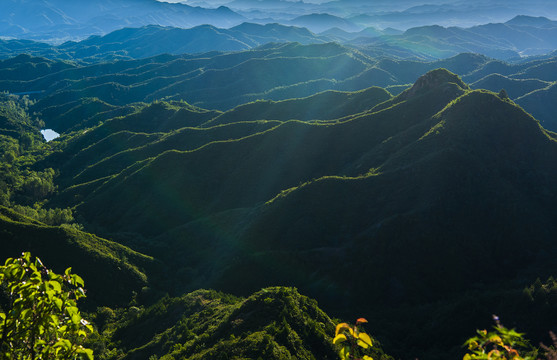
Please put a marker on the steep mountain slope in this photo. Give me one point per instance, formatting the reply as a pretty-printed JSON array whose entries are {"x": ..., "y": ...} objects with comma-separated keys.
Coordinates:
[
  {"x": 427, "y": 225},
  {"x": 328, "y": 105},
  {"x": 541, "y": 103},
  {"x": 91, "y": 257},
  {"x": 421, "y": 195},
  {"x": 314, "y": 161},
  {"x": 274, "y": 323},
  {"x": 119, "y": 143}
]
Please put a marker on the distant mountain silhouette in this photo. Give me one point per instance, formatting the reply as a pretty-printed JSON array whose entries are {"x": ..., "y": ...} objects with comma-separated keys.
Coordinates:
[
  {"x": 322, "y": 22},
  {"x": 63, "y": 20}
]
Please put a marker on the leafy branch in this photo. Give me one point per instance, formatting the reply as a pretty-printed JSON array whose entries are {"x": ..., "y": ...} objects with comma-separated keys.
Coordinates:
[{"x": 353, "y": 341}]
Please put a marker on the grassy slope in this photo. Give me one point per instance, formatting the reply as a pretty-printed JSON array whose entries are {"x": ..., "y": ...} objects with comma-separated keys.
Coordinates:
[
  {"x": 93, "y": 258},
  {"x": 230, "y": 174},
  {"x": 328, "y": 105}
]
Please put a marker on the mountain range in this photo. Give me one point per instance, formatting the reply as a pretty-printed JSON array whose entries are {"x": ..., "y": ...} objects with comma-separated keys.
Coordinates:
[
  {"x": 59, "y": 20},
  {"x": 148, "y": 41},
  {"x": 403, "y": 191},
  {"x": 66, "y": 91},
  {"x": 514, "y": 40}
]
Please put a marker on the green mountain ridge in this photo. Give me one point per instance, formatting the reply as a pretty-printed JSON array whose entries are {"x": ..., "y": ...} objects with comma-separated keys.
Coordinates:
[
  {"x": 317, "y": 193},
  {"x": 273, "y": 323},
  {"x": 315, "y": 107},
  {"x": 514, "y": 87},
  {"x": 310, "y": 161},
  {"x": 222, "y": 81}
]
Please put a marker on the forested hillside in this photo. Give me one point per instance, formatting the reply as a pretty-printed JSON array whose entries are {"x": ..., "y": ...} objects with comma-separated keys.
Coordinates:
[{"x": 404, "y": 190}]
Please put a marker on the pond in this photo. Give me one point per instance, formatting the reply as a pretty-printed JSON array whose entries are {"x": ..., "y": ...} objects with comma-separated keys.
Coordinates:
[{"x": 49, "y": 134}]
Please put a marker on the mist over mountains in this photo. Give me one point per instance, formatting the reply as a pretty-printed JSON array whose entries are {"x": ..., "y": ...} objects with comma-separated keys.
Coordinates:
[
  {"x": 513, "y": 40},
  {"x": 58, "y": 21},
  {"x": 61, "y": 20}
]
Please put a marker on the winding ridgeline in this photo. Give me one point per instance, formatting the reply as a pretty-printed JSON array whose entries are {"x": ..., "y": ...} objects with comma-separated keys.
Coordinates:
[{"x": 425, "y": 212}]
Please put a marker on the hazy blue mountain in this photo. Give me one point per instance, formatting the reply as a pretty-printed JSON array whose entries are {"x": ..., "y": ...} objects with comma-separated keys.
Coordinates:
[
  {"x": 322, "y": 22},
  {"x": 152, "y": 40},
  {"x": 59, "y": 19},
  {"x": 506, "y": 41},
  {"x": 278, "y": 33},
  {"x": 461, "y": 13},
  {"x": 341, "y": 35},
  {"x": 539, "y": 21}
]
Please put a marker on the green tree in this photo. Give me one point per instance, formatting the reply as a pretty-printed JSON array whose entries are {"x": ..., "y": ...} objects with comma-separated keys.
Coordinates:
[
  {"x": 26, "y": 141},
  {"x": 38, "y": 185},
  {"x": 39, "y": 318}
]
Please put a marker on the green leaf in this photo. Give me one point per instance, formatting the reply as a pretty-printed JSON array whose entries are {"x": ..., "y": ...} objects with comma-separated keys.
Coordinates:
[
  {"x": 86, "y": 354},
  {"x": 344, "y": 352},
  {"x": 77, "y": 280},
  {"x": 76, "y": 319},
  {"x": 63, "y": 344},
  {"x": 55, "y": 285},
  {"x": 59, "y": 303},
  {"x": 26, "y": 313}
]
